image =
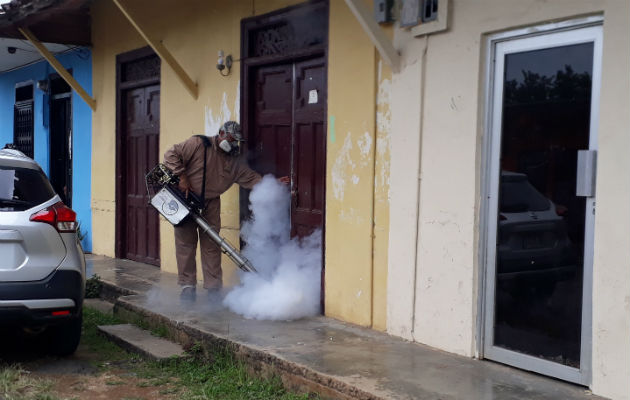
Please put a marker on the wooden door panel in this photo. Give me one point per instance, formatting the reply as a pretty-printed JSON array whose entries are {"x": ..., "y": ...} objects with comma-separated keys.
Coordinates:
[
  {"x": 289, "y": 135},
  {"x": 310, "y": 85},
  {"x": 273, "y": 148},
  {"x": 141, "y": 154},
  {"x": 307, "y": 213},
  {"x": 153, "y": 158},
  {"x": 135, "y": 117},
  {"x": 271, "y": 141},
  {"x": 273, "y": 91}
]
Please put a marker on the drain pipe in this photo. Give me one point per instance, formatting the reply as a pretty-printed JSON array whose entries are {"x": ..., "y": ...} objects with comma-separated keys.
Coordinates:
[{"x": 423, "y": 64}]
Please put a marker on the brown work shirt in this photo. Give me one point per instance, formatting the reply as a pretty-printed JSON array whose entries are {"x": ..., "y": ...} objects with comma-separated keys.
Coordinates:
[{"x": 222, "y": 169}]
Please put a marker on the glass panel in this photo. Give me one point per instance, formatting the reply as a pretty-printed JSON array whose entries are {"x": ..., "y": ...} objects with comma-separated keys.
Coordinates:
[
  {"x": 540, "y": 237},
  {"x": 23, "y": 188}
]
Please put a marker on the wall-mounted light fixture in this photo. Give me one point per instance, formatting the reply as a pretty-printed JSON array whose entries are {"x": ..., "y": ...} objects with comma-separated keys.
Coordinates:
[{"x": 223, "y": 63}]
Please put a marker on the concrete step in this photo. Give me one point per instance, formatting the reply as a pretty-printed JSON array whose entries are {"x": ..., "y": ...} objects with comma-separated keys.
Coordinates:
[
  {"x": 141, "y": 341},
  {"x": 100, "y": 305}
]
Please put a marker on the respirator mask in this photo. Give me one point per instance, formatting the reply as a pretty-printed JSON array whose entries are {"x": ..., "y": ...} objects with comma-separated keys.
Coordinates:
[
  {"x": 232, "y": 149},
  {"x": 225, "y": 146}
]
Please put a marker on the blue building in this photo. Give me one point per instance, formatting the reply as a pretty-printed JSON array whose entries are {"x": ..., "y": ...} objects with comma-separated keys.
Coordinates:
[{"x": 48, "y": 121}]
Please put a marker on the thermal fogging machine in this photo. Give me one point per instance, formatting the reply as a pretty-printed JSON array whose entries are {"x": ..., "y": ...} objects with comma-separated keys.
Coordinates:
[{"x": 176, "y": 207}]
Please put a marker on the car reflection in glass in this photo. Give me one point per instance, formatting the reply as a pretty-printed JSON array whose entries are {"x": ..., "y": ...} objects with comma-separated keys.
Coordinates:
[
  {"x": 532, "y": 236},
  {"x": 538, "y": 280}
]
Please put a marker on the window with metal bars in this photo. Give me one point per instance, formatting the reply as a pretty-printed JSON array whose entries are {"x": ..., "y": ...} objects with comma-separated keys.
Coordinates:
[{"x": 23, "y": 119}]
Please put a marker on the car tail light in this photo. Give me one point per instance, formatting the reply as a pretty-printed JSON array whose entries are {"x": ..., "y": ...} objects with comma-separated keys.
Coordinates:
[
  {"x": 59, "y": 216},
  {"x": 561, "y": 211}
]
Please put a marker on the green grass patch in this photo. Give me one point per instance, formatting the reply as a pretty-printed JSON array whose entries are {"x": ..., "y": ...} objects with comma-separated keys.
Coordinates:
[
  {"x": 93, "y": 287},
  {"x": 106, "y": 350},
  {"x": 16, "y": 384},
  {"x": 223, "y": 377},
  {"x": 194, "y": 377}
]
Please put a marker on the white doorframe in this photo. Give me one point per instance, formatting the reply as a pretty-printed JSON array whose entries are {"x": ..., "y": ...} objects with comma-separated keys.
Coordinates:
[{"x": 584, "y": 30}]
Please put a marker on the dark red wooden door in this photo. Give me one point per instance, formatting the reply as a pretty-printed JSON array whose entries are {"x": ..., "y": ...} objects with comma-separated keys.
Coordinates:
[
  {"x": 289, "y": 135},
  {"x": 309, "y": 157},
  {"x": 141, "y": 146}
]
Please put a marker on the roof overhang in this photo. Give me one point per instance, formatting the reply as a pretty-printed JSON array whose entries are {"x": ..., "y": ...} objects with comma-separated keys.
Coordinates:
[
  {"x": 64, "y": 22},
  {"x": 51, "y": 21},
  {"x": 17, "y": 53}
]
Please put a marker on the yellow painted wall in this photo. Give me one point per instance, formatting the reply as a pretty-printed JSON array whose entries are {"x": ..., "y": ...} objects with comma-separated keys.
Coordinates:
[
  {"x": 193, "y": 34},
  {"x": 110, "y": 37},
  {"x": 350, "y": 169},
  {"x": 357, "y": 215}
]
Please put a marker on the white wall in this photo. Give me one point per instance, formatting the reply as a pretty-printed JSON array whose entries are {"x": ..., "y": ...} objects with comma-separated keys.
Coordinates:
[{"x": 434, "y": 249}]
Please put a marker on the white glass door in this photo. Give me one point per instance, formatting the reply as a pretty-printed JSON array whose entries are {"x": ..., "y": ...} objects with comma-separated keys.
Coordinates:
[{"x": 545, "y": 91}]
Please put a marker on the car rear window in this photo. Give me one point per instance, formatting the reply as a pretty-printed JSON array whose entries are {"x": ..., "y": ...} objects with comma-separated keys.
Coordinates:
[
  {"x": 521, "y": 196},
  {"x": 23, "y": 188}
]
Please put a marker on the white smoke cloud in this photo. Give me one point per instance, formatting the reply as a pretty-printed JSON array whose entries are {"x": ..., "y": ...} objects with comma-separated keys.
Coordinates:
[{"x": 287, "y": 286}]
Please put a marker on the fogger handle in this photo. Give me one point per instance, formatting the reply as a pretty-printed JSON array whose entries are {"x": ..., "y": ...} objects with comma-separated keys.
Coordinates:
[{"x": 242, "y": 262}]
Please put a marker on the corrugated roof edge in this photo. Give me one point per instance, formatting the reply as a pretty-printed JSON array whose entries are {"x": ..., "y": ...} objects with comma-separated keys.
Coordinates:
[{"x": 17, "y": 10}]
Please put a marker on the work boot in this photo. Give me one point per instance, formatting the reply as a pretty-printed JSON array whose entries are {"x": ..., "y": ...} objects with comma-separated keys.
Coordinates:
[
  {"x": 214, "y": 294},
  {"x": 188, "y": 294}
]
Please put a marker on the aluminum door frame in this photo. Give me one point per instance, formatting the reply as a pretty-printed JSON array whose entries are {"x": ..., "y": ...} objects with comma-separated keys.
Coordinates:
[{"x": 583, "y": 30}]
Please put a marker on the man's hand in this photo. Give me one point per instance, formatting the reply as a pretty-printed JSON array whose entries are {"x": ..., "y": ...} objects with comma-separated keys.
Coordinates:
[
  {"x": 285, "y": 180},
  {"x": 184, "y": 185}
]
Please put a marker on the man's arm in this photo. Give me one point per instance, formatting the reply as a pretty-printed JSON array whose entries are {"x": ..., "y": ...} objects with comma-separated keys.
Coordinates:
[
  {"x": 177, "y": 158},
  {"x": 247, "y": 177}
]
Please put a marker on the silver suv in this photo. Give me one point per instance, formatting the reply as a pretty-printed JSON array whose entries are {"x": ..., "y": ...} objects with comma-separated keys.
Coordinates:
[{"x": 42, "y": 266}]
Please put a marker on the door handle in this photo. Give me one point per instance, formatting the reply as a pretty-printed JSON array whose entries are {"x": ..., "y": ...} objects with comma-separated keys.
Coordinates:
[{"x": 586, "y": 168}]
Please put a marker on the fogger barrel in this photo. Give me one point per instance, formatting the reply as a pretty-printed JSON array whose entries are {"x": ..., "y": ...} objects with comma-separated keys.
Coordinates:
[
  {"x": 171, "y": 203},
  {"x": 242, "y": 262}
]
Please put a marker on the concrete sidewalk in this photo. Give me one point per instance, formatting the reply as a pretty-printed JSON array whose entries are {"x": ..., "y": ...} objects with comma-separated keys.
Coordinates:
[{"x": 323, "y": 355}]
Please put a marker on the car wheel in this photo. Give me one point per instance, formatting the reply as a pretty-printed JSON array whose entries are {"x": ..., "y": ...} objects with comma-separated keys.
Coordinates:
[{"x": 64, "y": 338}]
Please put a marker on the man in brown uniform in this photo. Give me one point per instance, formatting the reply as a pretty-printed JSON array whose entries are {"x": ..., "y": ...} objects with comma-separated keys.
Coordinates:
[{"x": 223, "y": 168}]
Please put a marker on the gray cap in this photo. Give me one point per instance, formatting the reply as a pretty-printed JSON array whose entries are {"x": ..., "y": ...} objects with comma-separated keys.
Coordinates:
[{"x": 234, "y": 129}]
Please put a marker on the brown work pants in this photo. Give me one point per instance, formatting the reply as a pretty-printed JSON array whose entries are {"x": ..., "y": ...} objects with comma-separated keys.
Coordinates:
[{"x": 186, "y": 236}]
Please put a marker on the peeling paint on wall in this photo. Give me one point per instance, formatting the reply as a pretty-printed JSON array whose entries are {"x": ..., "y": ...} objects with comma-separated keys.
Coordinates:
[
  {"x": 365, "y": 144},
  {"x": 355, "y": 179},
  {"x": 383, "y": 126},
  {"x": 351, "y": 217},
  {"x": 343, "y": 162},
  {"x": 213, "y": 123},
  {"x": 382, "y": 173},
  {"x": 381, "y": 220}
]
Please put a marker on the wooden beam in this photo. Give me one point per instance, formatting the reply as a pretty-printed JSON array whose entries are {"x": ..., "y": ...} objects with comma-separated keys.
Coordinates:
[
  {"x": 381, "y": 41},
  {"x": 58, "y": 67},
  {"x": 162, "y": 52}
]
